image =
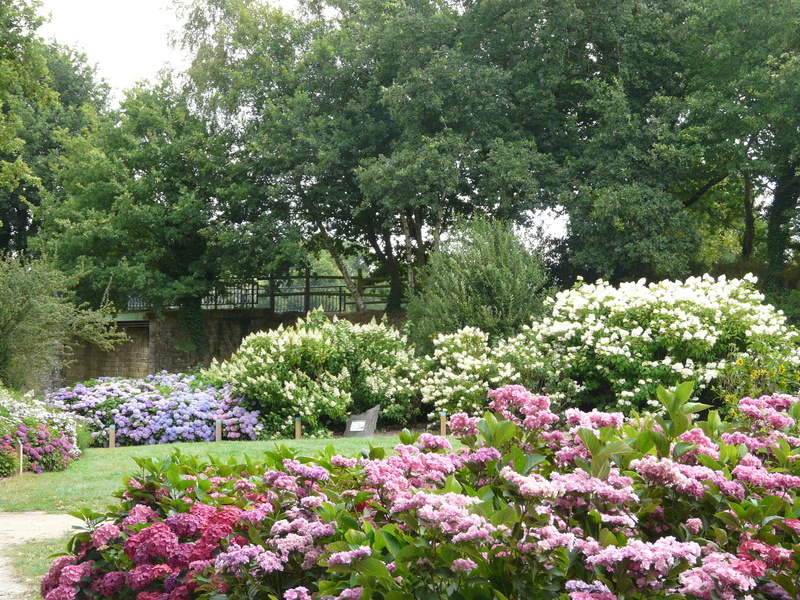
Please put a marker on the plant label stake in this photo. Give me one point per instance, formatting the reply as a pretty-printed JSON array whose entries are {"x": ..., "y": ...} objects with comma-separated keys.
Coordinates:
[
  {"x": 298, "y": 428},
  {"x": 112, "y": 436},
  {"x": 218, "y": 431},
  {"x": 19, "y": 451},
  {"x": 442, "y": 423}
]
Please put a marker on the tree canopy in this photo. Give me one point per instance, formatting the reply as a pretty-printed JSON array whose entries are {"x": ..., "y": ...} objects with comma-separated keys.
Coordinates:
[
  {"x": 149, "y": 199},
  {"x": 666, "y": 132}
]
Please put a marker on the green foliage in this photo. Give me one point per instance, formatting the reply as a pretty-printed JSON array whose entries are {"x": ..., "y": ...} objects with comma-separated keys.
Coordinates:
[
  {"x": 39, "y": 320},
  {"x": 482, "y": 276},
  {"x": 23, "y": 71},
  {"x": 320, "y": 370}
]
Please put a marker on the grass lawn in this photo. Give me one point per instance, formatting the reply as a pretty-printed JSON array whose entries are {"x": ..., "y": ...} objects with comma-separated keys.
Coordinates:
[
  {"x": 90, "y": 481},
  {"x": 31, "y": 561}
]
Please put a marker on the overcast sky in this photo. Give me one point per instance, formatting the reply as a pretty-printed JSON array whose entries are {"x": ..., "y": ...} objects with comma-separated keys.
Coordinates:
[{"x": 128, "y": 41}]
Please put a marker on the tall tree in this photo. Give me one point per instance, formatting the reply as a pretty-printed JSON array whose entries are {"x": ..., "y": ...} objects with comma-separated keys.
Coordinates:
[
  {"x": 364, "y": 118},
  {"x": 153, "y": 208},
  {"x": 23, "y": 74},
  {"x": 42, "y": 128}
]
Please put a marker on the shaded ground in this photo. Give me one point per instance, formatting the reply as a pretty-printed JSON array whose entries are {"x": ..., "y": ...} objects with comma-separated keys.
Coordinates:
[{"x": 21, "y": 527}]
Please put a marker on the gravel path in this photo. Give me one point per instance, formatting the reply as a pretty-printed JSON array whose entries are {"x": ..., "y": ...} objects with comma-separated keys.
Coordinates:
[{"x": 20, "y": 527}]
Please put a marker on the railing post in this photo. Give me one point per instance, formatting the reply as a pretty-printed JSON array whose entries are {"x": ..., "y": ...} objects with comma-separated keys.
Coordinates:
[
  {"x": 307, "y": 292},
  {"x": 271, "y": 283}
]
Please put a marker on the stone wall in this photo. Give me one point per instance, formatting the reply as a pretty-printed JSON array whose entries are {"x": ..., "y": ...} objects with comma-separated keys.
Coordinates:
[
  {"x": 130, "y": 359},
  {"x": 160, "y": 345}
]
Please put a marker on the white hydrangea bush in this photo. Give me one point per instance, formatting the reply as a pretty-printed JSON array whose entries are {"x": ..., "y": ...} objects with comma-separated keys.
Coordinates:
[
  {"x": 610, "y": 346},
  {"x": 320, "y": 370},
  {"x": 461, "y": 371}
]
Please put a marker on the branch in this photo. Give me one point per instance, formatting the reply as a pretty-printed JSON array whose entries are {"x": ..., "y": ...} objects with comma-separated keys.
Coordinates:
[{"x": 701, "y": 192}]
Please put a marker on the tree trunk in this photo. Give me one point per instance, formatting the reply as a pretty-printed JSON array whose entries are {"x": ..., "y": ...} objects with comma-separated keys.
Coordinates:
[
  {"x": 749, "y": 219},
  {"x": 337, "y": 258},
  {"x": 787, "y": 192},
  {"x": 385, "y": 253},
  {"x": 437, "y": 227},
  {"x": 418, "y": 220},
  {"x": 409, "y": 251},
  {"x": 394, "y": 304}
]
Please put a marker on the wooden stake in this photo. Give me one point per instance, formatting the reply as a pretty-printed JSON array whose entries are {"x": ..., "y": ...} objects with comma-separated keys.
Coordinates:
[
  {"x": 442, "y": 423},
  {"x": 19, "y": 451},
  {"x": 218, "y": 433},
  {"x": 298, "y": 428},
  {"x": 112, "y": 436}
]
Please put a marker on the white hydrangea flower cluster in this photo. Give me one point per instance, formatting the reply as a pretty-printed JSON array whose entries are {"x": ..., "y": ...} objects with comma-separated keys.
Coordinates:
[
  {"x": 461, "y": 371},
  {"x": 612, "y": 346}
]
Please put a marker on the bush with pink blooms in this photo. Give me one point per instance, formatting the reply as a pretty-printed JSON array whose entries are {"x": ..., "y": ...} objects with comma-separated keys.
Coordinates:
[
  {"x": 48, "y": 439},
  {"x": 579, "y": 506}
]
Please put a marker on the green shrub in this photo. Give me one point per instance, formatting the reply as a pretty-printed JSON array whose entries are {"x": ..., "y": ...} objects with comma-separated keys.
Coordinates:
[
  {"x": 482, "y": 276},
  {"x": 39, "y": 321},
  {"x": 320, "y": 370}
]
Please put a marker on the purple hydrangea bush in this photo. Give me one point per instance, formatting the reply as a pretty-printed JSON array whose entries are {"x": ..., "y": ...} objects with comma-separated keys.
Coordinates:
[
  {"x": 531, "y": 504},
  {"x": 157, "y": 409},
  {"x": 49, "y": 438}
]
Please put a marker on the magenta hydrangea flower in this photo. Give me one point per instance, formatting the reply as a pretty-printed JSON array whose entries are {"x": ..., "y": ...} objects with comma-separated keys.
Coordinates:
[
  {"x": 111, "y": 583},
  {"x": 105, "y": 533}
]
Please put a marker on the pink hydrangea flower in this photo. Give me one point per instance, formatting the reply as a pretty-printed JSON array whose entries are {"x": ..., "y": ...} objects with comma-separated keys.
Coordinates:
[
  {"x": 297, "y": 593},
  {"x": 463, "y": 565},
  {"x": 649, "y": 563},
  {"x": 720, "y": 576},
  {"x": 694, "y": 525},
  {"x": 517, "y": 404},
  {"x": 428, "y": 441},
  {"x": 461, "y": 424}
]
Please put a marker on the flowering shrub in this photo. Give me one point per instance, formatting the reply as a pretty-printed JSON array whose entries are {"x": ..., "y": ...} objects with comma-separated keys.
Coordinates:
[
  {"x": 461, "y": 371},
  {"x": 611, "y": 346},
  {"x": 319, "y": 370},
  {"x": 158, "y": 409},
  {"x": 49, "y": 438},
  {"x": 588, "y": 505}
]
